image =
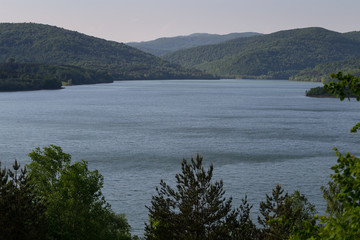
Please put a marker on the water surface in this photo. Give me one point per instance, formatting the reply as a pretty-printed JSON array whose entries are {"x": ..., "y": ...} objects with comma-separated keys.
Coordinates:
[{"x": 256, "y": 133}]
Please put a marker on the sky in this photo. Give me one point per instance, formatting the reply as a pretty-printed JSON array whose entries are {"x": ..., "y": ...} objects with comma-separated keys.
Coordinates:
[{"x": 144, "y": 20}]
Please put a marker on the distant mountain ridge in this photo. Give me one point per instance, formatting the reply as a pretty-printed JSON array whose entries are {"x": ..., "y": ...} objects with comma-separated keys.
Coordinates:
[
  {"x": 297, "y": 54},
  {"x": 162, "y": 46},
  {"x": 39, "y": 43},
  {"x": 278, "y": 55}
]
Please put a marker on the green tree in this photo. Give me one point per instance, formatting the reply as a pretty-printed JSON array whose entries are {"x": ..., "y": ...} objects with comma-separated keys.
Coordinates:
[
  {"x": 282, "y": 214},
  {"x": 346, "y": 86},
  {"x": 343, "y": 194},
  {"x": 344, "y": 219},
  {"x": 243, "y": 227},
  {"x": 333, "y": 207},
  {"x": 76, "y": 208},
  {"x": 22, "y": 215},
  {"x": 196, "y": 209}
]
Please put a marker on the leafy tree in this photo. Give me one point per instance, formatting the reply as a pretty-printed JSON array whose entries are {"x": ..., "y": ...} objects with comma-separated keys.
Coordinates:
[
  {"x": 195, "y": 209},
  {"x": 76, "y": 208},
  {"x": 344, "y": 219},
  {"x": 333, "y": 206},
  {"x": 283, "y": 214},
  {"x": 346, "y": 86},
  {"x": 343, "y": 194},
  {"x": 22, "y": 214}
]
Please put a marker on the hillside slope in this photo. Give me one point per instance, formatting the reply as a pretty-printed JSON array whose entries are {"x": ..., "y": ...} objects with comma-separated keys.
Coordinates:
[
  {"x": 33, "y": 76},
  {"x": 38, "y": 43},
  {"x": 162, "y": 46},
  {"x": 321, "y": 72},
  {"x": 273, "y": 56}
]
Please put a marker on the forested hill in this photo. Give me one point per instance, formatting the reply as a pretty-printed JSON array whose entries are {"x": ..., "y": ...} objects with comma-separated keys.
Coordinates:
[
  {"x": 32, "y": 76},
  {"x": 353, "y": 35},
  {"x": 272, "y": 56},
  {"x": 162, "y": 46},
  {"x": 38, "y": 43},
  {"x": 321, "y": 72}
]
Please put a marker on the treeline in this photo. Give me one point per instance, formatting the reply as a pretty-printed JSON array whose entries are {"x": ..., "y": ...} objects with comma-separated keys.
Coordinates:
[
  {"x": 197, "y": 209},
  {"x": 317, "y": 92},
  {"x": 52, "y": 198},
  {"x": 279, "y": 55},
  {"x": 31, "y": 76}
]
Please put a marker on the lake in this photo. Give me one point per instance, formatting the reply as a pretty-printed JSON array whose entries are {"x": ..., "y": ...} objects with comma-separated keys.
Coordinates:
[{"x": 257, "y": 133}]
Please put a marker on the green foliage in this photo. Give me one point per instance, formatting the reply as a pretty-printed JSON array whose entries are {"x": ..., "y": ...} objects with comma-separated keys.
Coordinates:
[
  {"x": 342, "y": 86},
  {"x": 343, "y": 192},
  {"x": 333, "y": 206},
  {"x": 283, "y": 215},
  {"x": 346, "y": 86},
  {"x": 307, "y": 230},
  {"x": 317, "y": 92},
  {"x": 22, "y": 214},
  {"x": 243, "y": 226},
  {"x": 75, "y": 206},
  {"x": 37, "y": 43},
  {"x": 196, "y": 209},
  {"x": 272, "y": 56},
  {"x": 344, "y": 220}
]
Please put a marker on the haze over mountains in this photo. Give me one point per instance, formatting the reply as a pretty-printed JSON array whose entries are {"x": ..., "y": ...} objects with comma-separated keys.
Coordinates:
[{"x": 162, "y": 46}]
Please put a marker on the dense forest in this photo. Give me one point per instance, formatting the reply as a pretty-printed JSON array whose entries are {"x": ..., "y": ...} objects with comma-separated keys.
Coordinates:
[
  {"x": 31, "y": 76},
  {"x": 279, "y": 55},
  {"x": 38, "y": 43},
  {"x": 322, "y": 72},
  {"x": 162, "y": 46}
]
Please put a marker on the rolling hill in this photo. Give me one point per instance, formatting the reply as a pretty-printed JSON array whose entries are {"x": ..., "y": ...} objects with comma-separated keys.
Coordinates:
[
  {"x": 162, "y": 46},
  {"x": 38, "y": 43},
  {"x": 278, "y": 55}
]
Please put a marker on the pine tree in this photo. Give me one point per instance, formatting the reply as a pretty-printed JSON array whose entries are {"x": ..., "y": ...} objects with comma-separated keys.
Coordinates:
[
  {"x": 283, "y": 214},
  {"x": 22, "y": 213},
  {"x": 196, "y": 209}
]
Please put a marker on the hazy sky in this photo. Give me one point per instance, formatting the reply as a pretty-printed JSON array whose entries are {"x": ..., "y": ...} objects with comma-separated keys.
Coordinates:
[{"x": 142, "y": 20}]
